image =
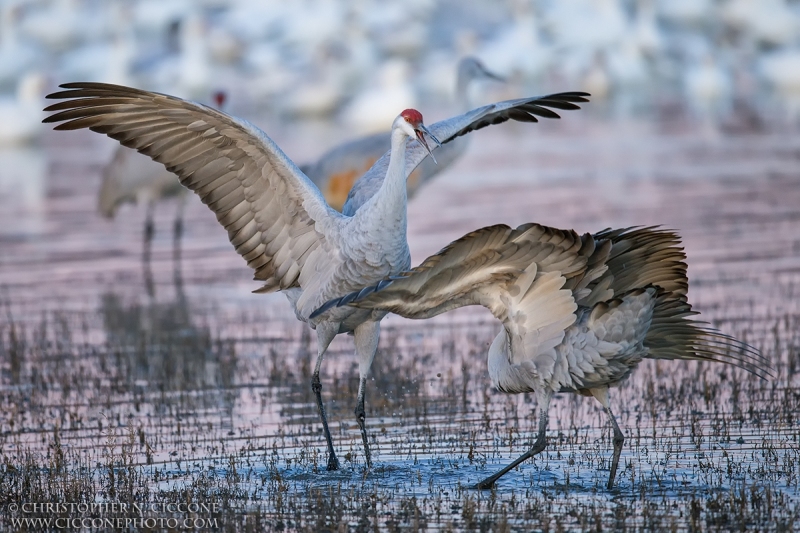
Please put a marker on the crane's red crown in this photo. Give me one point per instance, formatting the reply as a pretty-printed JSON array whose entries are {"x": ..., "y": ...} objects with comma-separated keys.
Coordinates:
[
  {"x": 219, "y": 99},
  {"x": 412, "y": 116}
]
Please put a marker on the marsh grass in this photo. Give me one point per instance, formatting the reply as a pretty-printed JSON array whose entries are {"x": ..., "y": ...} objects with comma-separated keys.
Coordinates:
[{"x": 168, "y": 409}]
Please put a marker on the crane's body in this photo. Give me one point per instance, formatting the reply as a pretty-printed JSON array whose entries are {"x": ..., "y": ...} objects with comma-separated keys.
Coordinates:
[
  {"x": 579, "y": 312},
  {"x": 276, "y": 218},
  {"x": 337, "y": 170},
  {"x": 135, "y": 178}
]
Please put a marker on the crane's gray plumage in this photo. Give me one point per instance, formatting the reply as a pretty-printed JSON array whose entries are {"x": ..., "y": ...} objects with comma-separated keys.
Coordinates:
[
  {"x": 276, "y": 218},
  {"x": 130, "y": 177},
  {"x": 337, "y": 169},
  {"x": 579, "y": 312}
]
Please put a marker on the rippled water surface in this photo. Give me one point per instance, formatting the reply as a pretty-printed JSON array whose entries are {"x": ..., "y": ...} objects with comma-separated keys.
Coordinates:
[{"x": 175, "y": 383}]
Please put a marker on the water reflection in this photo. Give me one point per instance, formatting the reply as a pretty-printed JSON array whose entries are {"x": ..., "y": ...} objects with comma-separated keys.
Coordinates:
[{"x": 163, "y": 345}]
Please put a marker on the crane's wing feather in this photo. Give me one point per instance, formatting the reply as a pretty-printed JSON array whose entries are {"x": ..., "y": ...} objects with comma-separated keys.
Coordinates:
[
  {"x": 467, "y": 271},
  {"x": 644, "y": 256},
  {"x": 649, "y": 256},
  {"x": 274, "y": 215},
  {"x": 521, "y": 110}
]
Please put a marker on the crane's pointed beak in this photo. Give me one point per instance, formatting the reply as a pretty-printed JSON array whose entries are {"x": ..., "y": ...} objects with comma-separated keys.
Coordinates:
[
  {"x": 486, "y": 73},
  {"x": 420, "y": 130}
]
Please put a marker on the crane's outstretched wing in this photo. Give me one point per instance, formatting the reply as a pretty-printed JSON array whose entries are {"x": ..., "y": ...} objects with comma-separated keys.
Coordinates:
[
  {"x": 649, "y": 256},
  {"x": 521, "y": 110},
  {"x": 274, "y": 215},
  {"x": 642, "y": 256},
  {"x": 468, "y": 270}
]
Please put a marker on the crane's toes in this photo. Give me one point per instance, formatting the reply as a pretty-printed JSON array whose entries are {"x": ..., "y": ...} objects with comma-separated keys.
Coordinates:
[{"x": 486, "y": 484}]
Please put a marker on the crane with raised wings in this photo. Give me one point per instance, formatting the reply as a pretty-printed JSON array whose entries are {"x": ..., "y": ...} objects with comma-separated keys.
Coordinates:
[
  {"x": 276, "y": 219},
  {"x": 579, "y": 312}
]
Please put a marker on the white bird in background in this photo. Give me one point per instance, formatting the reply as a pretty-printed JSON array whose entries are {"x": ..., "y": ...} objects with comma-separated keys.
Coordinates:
[
  {"x": 21, "y": 114},
  {"x": 194, "y": 65},
  {"x": 62, "y": 24},
  {"x": 16, "y": 57},
  {"x": 276, "y": 218},
  {"x": 766, "y": 22},
  {"x": 371, "y": 110},
  {"x": 336, "y": 170},
  {"x": 579, "y": 312},
  {"x": 781, "y": 71},
  {"x": 687, "y": 13},
  {"x": 518, "y": 49},
  {"x": 708, "y": 87},
  {"x": 134, "y": 178},
  {"x": 646, "y": 33}
]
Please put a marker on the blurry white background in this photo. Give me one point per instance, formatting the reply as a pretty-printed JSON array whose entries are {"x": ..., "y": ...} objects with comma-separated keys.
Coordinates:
[
  {"x": 728, "y": 65},
  {"x": 347, "y": 59}
]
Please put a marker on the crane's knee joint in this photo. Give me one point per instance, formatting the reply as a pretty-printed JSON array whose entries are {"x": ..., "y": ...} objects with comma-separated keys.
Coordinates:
[
  {"x": 619, "y": 439},
  {"x": 316, "y": 386},
  {"x": 360, "y": 414}
]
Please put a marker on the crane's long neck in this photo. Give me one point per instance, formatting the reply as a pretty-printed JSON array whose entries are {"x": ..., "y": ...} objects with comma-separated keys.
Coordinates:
[
  {"x": 389, "y": 203},
  {"x": 462, "y": 90}
]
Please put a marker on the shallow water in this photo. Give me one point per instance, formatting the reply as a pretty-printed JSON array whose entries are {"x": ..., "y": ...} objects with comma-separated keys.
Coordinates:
[{"x": 175, "y": 383}]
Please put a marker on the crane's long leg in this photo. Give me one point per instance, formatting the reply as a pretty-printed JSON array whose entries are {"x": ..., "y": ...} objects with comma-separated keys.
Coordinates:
[
  {"x": 325, "y": 334},
  {"x": 366, "y": 340},
  {"x": 149, "y": 231},
  {"x": 538, "y": 446},
  {"x": 602, "y": 397},
  {"x": 149, "y": 284},
  {"x": 177, "y": 230}
]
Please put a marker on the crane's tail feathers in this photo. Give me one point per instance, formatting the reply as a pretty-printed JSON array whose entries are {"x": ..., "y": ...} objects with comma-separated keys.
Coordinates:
[{"x": 673, "y": 335}]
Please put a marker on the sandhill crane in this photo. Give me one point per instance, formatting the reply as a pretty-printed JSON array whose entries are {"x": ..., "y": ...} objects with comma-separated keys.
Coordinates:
[
  {"x": 276, "y": 218},
  {"x": 336, "y": 170},
  {"x": 579, "y": 312},
  {"x": 135, "y": 178}
]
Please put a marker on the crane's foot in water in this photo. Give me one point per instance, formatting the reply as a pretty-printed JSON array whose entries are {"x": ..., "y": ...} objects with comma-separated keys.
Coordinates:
[
  {"x": 316, "y": 387},
  {"x": 361, "y": 417},
  {"x": 333, "y": 463}
]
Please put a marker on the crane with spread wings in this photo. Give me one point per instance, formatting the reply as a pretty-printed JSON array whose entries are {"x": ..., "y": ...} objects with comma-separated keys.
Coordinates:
[
  {"x": 579, "y": 312},
  {"x": 276, "y": 218}
]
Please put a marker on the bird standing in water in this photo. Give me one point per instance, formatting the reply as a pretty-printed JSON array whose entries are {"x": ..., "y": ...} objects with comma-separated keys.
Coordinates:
[
  {"x": 131, "y": 177},
  {"x": 579, "y": 312},
  {"x": 276, "y": 219}
]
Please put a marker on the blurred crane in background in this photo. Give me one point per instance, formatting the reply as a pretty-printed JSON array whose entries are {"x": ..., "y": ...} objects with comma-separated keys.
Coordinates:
[
  {"x": 336, "y": 170},
  {"x": 134, "y": 178}
]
